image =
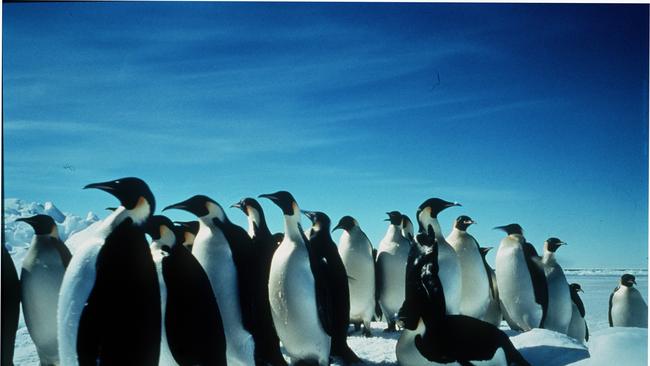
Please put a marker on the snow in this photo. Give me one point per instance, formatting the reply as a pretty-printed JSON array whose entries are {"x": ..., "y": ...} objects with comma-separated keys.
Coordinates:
[{"x": 607, "y": 346}]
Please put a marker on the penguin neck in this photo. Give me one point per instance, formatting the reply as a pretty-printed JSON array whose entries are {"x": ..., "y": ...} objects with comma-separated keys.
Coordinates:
[
  {"x": 54, "y": 233},
  {"x": 115, "y": 218},
  {"x": 549, "y": 257},
  {"x": 292, "y": 228},
  {"x": 394, "y": 233},
  {"x": 433, "y": 221},
  {"x": 188, "y": 238},
  {"x": 256, "y": 222},
  {"x": 167, "y": 237},
  {"x": 141, "y": 212}
]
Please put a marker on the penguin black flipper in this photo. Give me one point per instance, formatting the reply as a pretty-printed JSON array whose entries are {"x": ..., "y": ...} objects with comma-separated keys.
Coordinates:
[
  {"x": 64, "y": 252},
  {"x": 579, "y": 304},
  {"x": 586, "y": 331},
  {"x": 609, "y": 311},
  {"x": 538, "y": 278},
  {"x": 409, "y": 313},
  {"x": 121, "y": 322},
  {"x": 378, "y": 283},
  {"x": 10, "y": 307},
  {"x": 241, "y": 247},
  {"x": 324, "y": 299},
  {"x": 192, "y": 320}
]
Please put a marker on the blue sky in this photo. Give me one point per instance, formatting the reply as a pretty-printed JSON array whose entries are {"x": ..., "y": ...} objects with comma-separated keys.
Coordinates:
[{"x": 536, "y": 114}]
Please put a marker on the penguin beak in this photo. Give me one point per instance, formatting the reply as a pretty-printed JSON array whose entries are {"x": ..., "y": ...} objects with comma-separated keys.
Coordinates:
[
  {"x": 109, "y": 186},
  {"x": 268, "y": 196},
  {"x": 310, "y": 214},
  {"x": 338, "y": 226},
  {"x": 29, "y": 220},
  {"x": 236, "y": 205},
  {"x": 452, "y": 204},
  {"x": 388, "y": 219},
  {"x": 110, "y": 208},
  {"x": 179, "y": 206},
  {"x": 580, "y": 290}
]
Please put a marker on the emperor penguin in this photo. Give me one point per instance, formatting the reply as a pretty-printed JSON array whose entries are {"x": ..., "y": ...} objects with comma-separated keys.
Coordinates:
[
  {"x": 391, "y": 269},
  {"x": 222, "y": 250},
  {"x": 298, "y": 291},
  {"x": 521, "y": 281},
  {"x": 407, "y": 228},
  {"x": 475, "y": 285},
  {"x": 10, "y": 306},
  {"x": 267, "y": 343},
  {"x": 192, "y": 329},
  {"x": 337, "y": 279},
  {"x": 355, "y": 250},
  {"x": 443, "y": 338},
  {"x": 493, "y": 314},
  {"x": 450, "y": 273},
  {"x": 558, "y": 315},
  {"x": 190, "y": 229},
  {"x": 109, "y": 303},
  {"x": 578, "y": 327},
  {"x": 626, "y": 305},
  {"x": 405, "y": 320},
  {"x": 41, "y": 277}
]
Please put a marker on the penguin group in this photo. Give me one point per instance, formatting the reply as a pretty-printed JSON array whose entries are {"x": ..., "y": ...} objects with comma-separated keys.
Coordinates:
[{"x": 209, "y": 292}]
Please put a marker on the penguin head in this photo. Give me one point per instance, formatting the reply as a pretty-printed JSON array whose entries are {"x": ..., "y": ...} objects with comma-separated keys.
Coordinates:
[
  {"x": 285, "y": 201},
  {"x": 407, "y": 227},
  {"x": 134, "y": 195},
  {"x": 186, "y": 231},
  {"x": 161, "y": 229},
  {"x": 552, "y": 244},
  {"x": 319, "y": 220},
  {"x": 246, "y": 204},
  {"x": 463, "y": 222},
  {"x": 395, "y": 218},
  {"x": 42, "y": 225},
  {"x": 511, "y": 229},
  {"x": 429, "y": 211},
  {"x": 201, "y": 206},
  {"x": 346, "y": 223},
  {"x": 628, "y": 280},
  {"x": 278, "y": 237},
  {"x": 484, "y": 250},
  {"x": 575, "y": 288}
]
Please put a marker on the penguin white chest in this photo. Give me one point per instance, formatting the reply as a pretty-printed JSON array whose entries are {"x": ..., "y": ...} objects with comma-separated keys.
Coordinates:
[
  {"x": 515, "y": 285},
  {"x": 629, "y": 309},
  {"x": 213, "y": 253},
  {"x": 391, "y": 262},
  {"x": 474, "y": 294},
  {"x": 356, "y": 255},
  {"x": 293, "y": 304},
  {"x": 559, "y": 311},
  {"x": 577, "y": 326}
]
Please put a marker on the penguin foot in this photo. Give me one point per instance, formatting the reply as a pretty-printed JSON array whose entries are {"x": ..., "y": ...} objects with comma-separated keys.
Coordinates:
[
  {"x": 357, "y": 327},
  {"x": 366, "y": 333},
  {"x": 390, "y": 329}
]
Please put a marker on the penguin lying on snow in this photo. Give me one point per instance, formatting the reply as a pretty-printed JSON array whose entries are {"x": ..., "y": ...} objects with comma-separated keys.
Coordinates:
[
  {"x": 109, "y": 304},
  {"x": 626, "y": 305},
  {"x": 41, "y": 277},
  {"x": 337, "y": 279},
  {"x": 449, "y": 338},
  {"x": 192, "y": 330}
]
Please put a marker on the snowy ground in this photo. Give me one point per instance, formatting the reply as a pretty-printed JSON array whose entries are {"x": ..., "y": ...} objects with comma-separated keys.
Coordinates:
[{"x": 539, "y": 347}]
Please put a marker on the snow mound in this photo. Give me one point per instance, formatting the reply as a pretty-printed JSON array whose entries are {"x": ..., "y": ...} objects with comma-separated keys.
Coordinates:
[
  {"x": 618, "y": 346},
  {"x": 51, "y": 210},
  {"x": 545, "y": 347}
]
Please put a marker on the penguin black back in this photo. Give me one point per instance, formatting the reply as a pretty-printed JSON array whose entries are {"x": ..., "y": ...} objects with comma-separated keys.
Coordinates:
[
  {"x": 538, "y": 278},
  {"x": 488, "y": 270},
  {"x": 263, "y": 245},
  {"x": 121, "y": 322},
  {"x": 192, "y": 320},
  {"x": 449, "y": 338},
  {"x": 10, "y": 306},
  {"x": 575, "y": 288},
  {"x": 337, "y": 279}
]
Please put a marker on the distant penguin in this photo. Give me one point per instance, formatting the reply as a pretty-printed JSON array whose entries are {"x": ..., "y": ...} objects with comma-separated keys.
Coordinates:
[
  {"x": 337, "y": 279},
  {"x": 192, "y": 329},
  {"x": 475, "y": 290},
  {"x": 391, "y": 269},
  {"x": 454, "y": 338},
  {"x": 578, "y": 327},
  {"x": 626, "y": 305},
  {"x": 41, "y": 277},
  {"x": 493, "y": 314},
  {"x": 10, "y": 306},
  {"x": 190, "y": 229},
  {"x": 109, "y": 304},
  {"x": 222, "y": 250},
  {"x": 298, "y": 291},
  {"x": 558, "y": 315},
  {"x": 356, "y": 253},
  {"x": 264, "y": 244},
  {"x": 450, "y": 274},
  {"x": 521, "y": 280}
]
